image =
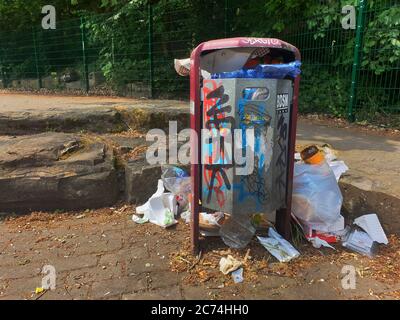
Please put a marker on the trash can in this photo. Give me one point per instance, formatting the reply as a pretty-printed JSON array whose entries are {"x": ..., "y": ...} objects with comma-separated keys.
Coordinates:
[{"x": 223, "y": 100}]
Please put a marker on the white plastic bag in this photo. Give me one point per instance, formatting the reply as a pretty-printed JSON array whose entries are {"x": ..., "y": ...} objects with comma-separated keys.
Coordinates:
[
  {"x": 160, "y": 209},
  {"x": 317, "y": 199},
  {"x": 278, "y": 247}
]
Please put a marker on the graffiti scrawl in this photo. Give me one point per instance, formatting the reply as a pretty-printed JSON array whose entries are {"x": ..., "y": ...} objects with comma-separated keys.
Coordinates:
[{"x": 219, "y": 161}]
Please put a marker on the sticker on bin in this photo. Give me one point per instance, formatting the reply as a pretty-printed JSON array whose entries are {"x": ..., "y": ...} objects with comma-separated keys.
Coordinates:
[{"x": 282, "y": 103}]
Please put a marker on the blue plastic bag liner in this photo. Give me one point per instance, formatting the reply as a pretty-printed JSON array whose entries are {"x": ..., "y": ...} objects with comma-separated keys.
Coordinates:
[{"x": 266, "y": 71}]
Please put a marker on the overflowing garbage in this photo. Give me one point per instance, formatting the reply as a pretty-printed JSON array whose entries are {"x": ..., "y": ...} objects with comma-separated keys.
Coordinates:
[
  {"x": 316, "y": 208},
  {"x": 241, "y": 63},
  {"x": 316, "y": 197},
  {"x": 263, "y": 71},
  {"x": 317, "y": 202}
]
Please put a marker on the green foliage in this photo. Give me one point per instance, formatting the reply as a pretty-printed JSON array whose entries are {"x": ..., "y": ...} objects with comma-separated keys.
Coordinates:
[
  {"x": 118, "y": 43},
  {"x": 382, "y": 45},
  {"x": 325, "y": 91}
]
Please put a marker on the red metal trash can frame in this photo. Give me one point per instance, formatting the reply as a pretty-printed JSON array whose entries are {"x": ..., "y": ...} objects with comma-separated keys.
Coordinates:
[{"x": 283, "y": 215}]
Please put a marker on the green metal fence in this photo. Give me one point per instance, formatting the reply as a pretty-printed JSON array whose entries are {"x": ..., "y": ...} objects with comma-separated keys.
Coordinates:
[{"x": 353, "y": 73}]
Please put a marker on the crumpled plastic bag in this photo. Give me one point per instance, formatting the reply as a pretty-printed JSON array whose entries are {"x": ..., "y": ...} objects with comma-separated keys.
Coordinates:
[
  {"x": 177, "y": 181},
  {"x": 211, "y": 219},
  {"x": 160, "y": 209},
  {"x": 278, "y": 247},
  {"x": 317, "y": 199}
]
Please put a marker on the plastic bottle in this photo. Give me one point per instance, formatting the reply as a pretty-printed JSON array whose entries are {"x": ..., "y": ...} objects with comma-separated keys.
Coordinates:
[{"x": 237, "y": 231}]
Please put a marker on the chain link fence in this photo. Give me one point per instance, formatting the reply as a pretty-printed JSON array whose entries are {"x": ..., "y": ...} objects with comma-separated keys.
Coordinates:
[{"x": 353, "y": 72}]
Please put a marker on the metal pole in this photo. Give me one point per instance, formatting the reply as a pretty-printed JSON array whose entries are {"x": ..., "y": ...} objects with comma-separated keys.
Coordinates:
[
  {"x": 226, "y": 25},
  {"x": 3, "y": 76},
  {"x": 84, "y": 57},
  {"x": 113, "y": 50},
  {"x": 150, "y": 47},
  {"x": 356, "y": 59},
  {"x": 36, "y": 59}
]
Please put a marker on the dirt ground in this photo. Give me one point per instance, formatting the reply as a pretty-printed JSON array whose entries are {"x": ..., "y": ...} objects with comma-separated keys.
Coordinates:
[
  {"x": 102, "y": 254},
  {"x": 21, "y": 101}
]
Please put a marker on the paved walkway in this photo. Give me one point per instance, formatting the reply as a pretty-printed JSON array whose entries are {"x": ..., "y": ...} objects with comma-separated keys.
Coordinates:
[{"x": 103, "y": 255}]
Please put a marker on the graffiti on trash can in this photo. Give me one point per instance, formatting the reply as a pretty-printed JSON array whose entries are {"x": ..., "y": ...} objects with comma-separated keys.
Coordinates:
[
  {"x": 254, "y": 186},
  {"x": 219, "y": 148},
  {"x": 268, "y": 42},
  {"x": 254, "y": 116},
  {"x": 281, "y": 161}
]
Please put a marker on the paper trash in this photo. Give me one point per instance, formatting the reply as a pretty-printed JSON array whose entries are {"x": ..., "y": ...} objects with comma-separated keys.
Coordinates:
[
  {"x": 186, "y": 216},
  {"x": 371, "y": 225},
  {"x": 338, "y": 168},
  {"x": 237, "y": 275},
  {"x": 160, "y": 209},
  {"x": 360, "y": 242},
  {"x": 330, "y": 154},
  {"x": 229, "y": 264},
  {"x": 278, "y": 247},
  {"x": 182, "y": 66},
  {"x": 364, "y": 242}
]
